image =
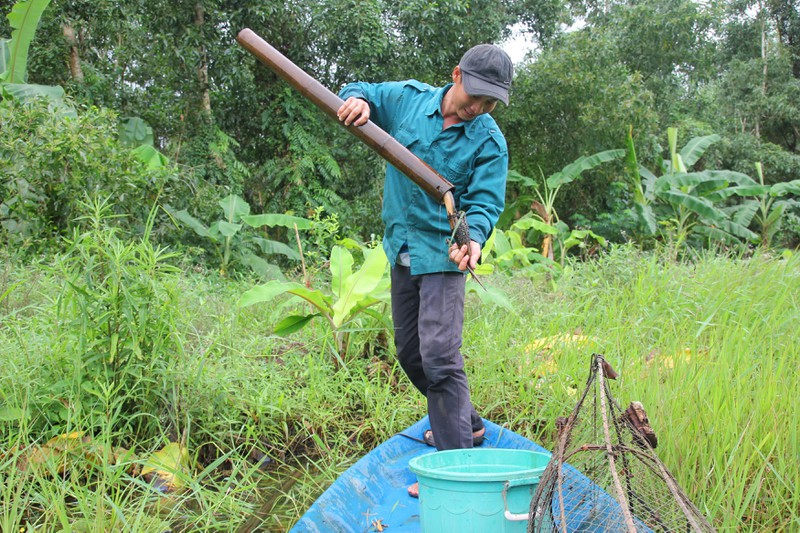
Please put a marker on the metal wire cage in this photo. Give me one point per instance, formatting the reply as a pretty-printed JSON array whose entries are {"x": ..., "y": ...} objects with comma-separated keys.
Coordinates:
[{"x": 604, "y": 475}]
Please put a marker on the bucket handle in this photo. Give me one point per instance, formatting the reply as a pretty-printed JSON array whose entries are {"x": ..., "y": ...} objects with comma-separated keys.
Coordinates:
[{"x": 517, "y": 517}]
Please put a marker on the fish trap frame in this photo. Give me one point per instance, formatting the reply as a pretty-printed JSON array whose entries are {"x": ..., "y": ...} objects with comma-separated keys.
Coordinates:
[{"x": 604, "y": 476}]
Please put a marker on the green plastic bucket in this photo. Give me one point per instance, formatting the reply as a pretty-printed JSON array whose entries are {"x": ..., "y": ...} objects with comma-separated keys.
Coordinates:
[{"x": 479, "y": 489}]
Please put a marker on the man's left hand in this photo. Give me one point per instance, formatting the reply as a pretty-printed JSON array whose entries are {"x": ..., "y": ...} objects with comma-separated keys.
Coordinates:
[{"x": 465, "y": 255}]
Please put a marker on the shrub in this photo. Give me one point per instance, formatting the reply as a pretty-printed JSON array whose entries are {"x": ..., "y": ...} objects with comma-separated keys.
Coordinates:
[{"x": 48, "y": 162}]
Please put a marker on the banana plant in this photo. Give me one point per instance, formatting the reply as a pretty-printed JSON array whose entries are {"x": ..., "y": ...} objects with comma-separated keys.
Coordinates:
[
  {"x": 235, "y": 246},
  {"x": 688, "y": 203},
  {"x": 352, "y": 293},
  {"x": 767, "y": 207},
  {"x": 544, "y": 217}
]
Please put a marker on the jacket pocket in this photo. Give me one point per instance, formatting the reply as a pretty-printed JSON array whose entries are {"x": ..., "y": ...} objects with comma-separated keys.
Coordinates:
[{"x": 406, "y": 138}]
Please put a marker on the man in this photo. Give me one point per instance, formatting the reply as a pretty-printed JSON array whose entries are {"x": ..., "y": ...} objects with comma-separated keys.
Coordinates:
[{"x": 451, "y": 130}]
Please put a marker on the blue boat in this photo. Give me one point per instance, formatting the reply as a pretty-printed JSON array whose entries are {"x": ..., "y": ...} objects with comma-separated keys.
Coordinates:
[{"x": 372, "y": 493}]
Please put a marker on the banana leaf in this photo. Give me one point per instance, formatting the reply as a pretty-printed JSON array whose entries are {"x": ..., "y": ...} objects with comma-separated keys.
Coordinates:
[
  {"x": 696, "y": 147},
  {"x": 269, "y": 247},
  {"x": 293, "y": 323},
  {"x": 737, "y": 230},
  {"x": 751, "y": 190},
  {"x": 53, "y": 94},
  {"x": 234, "y": 207},
  {"x": 649, "y": 183},
  {"x": 646, "y": 218},
  {"x": 572, "y": 171},
  {"x": 151, "y": 157},
  {"x": 184, "y": 216},
  {"x": 341, "y": 265},
  {"x": 271, "y": 290},
  {"x": 786, "y": 187},
  {"x": 703, "y": 207},
  {"x": 260, "y": 266},
  {"x": 742, "y": 213},
  {"x": 359, "y": 285},
  {"x": 24, "y": 18},
  {"x": 276, "y": 219}
]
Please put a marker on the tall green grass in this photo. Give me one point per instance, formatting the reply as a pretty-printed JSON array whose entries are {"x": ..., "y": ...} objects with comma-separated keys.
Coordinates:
[{"x": 710, "y": 348}]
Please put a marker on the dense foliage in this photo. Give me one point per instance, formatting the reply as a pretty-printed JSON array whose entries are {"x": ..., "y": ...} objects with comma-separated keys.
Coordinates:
[
  {"x": 597, "y": 70},
  {"x": 138, "y": 140}
]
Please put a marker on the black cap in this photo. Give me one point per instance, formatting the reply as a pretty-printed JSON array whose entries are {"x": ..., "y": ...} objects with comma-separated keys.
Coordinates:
[{"x": 487, "y": 71}]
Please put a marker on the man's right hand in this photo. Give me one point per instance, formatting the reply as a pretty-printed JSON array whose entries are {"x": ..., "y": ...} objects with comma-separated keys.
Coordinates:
[{"x": 354, "y": 111}]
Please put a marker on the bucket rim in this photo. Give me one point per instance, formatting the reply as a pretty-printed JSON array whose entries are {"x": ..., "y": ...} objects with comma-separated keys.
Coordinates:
[{"x": 417, "y": 465}]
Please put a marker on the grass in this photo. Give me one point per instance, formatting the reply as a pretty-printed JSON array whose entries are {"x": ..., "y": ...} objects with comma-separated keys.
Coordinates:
[{"x": 709, "y": 347}]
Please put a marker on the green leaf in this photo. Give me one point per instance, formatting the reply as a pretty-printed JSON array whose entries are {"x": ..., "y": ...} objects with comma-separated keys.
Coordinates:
[
  {"x": 234, "y": 208},
  {"x": 53, "y": 94},
  {"x": 678, "y": 180},
  {"x": 572, "y": 171},
  {"x": 525, "y": 181},
  {"x": 701, "y": 206},
  {"x": 728, "y": 175},
  {"x": 184, "y": 216},
  {"x": 5, "y": 55},
  {"x": 267, "y": 292},
  {"x": 737, "y": 230},
  {"x": 492, "y": 296},
  {"x": 751, "y": 190},
  {"x": 709, "y": 186},
  {"x": 314, "y": 297},
  {"x": 24, "y": 18},
  {"x": 525, "y": 224},
  {"x": 583, "y": 233},
  {"x": 774, "y": 215},
  {"x": 350, "y": 244},
  {"x": 10, "y": 414},
  {"x": 696, "y": 147},
  {"x": 360, "y": 284},
  {"x": 134, "y": 131},
  {"x": 632, "y": 168},
  {"x": 786, "y": 187},
  {"x": 743, "y": 213},
  {"x": 260, "y": 266},
  {"x": 341, "y": 264},
  {"x": 227, "y": 229},
  {"x": 646, "y": 218},
  {"x": 501, "y": 242},
  {"x": 293, "y": 323},
  {"x": 649, "y": 183},
  {"x": 269, "y": 247},
  {"x": 151, "y": 157},
  {"x": 716, "y": 234},
  {"x": 273, "y": 219}
]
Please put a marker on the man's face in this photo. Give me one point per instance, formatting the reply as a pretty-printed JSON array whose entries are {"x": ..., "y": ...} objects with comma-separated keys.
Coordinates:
[{"x": 467, "y": 106}]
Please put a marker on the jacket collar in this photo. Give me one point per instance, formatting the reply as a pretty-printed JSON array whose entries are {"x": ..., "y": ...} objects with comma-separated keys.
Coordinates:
[{"x": 435, "y": 106}]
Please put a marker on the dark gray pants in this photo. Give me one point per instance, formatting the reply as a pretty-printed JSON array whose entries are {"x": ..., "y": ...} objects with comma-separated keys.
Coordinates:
[{"x": 428, "y": 314}]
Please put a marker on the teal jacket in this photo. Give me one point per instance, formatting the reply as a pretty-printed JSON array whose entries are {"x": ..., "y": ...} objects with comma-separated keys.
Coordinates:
[{"x": 473, "y": 156}]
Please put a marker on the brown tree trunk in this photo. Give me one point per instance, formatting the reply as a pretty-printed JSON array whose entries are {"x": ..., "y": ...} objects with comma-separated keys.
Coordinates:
[
  {"x": 74, "y": 59},
  {"x": 202, "y": 69}
]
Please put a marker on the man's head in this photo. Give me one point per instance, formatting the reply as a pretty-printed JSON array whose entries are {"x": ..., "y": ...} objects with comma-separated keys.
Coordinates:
[{"x": 486, "y": 70}]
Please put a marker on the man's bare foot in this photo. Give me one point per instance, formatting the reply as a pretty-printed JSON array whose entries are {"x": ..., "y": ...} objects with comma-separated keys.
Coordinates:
[{"x": 413, "y": 490}]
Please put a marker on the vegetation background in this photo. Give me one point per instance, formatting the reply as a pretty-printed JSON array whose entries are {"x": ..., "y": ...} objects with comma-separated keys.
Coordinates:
[{"x": 194, "y": 332}]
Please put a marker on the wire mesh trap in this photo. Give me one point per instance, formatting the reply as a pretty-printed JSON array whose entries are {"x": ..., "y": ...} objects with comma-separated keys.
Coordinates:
[{"x": 604, "y": 475}]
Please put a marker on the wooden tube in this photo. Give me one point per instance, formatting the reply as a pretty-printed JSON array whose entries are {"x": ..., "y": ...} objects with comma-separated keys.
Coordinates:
[{"x": 373, "y": 136}]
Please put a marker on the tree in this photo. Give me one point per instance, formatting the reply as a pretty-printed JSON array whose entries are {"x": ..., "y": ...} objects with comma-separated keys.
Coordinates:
[{"x": 575, "y": 100}]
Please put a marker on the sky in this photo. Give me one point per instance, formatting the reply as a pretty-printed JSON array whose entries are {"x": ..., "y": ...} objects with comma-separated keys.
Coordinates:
[{"x": 517, "y": 46}]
